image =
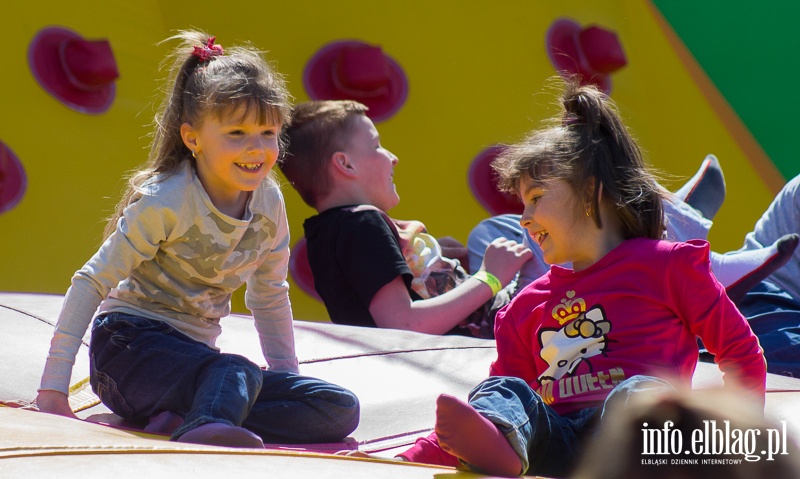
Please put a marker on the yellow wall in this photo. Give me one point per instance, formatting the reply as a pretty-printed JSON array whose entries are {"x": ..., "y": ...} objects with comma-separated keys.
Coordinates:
[{"x": 476, "y": 73}]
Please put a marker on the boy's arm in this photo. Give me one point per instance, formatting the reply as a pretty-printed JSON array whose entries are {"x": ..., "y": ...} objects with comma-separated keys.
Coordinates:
[{"x": 392, "y": 307}]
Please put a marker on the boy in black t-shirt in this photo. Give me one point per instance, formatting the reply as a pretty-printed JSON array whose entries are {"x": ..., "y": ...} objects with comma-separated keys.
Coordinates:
[{"x": 369, "y": 269}]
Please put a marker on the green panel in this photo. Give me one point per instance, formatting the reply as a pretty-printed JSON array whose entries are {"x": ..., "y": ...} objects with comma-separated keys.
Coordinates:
[{"x": 750, "y": 52}]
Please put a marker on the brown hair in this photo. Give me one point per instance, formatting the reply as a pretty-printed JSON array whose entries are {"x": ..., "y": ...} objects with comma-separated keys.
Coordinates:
[
  {"x": 219, "y": 85},
  {"x": 589, "y": 144},
  {"x": 318, "y": 130}
]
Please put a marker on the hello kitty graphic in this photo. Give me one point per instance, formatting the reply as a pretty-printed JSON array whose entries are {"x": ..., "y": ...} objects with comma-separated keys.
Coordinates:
[{"x": 577, "y": 341}]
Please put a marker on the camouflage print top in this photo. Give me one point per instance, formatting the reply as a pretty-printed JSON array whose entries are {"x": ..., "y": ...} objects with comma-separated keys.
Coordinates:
[{"x": 175, "y": 257}]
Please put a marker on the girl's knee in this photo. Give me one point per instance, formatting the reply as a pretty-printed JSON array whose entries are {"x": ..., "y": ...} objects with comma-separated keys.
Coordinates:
[
  {"x": 350, "y": 419},
  {"x": 347, "y": 399},
  {"x": 348, "y": 407},
  {"x": 240, "y": 365},
  {"x": 634, "y": 386},
  {"x": 345, "y": 410},
  {"x": 640, "y": 383},
  {"x": 506, "y": 388},
  {"x": 503, "y": 383}
]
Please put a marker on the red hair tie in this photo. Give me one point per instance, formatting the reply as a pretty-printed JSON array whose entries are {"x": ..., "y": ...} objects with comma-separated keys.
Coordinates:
[{"x": 208, "y": 50}]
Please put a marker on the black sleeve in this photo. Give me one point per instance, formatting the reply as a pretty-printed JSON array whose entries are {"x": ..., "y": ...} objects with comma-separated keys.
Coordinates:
[{"x": 369, "y": 254}]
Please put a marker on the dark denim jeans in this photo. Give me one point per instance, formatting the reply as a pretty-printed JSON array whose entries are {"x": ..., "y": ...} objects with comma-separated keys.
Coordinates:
[
  {"x": 141, "y": 367},
  {"x": 547, "y": 443},
  {"x": 774, "y": 316}
]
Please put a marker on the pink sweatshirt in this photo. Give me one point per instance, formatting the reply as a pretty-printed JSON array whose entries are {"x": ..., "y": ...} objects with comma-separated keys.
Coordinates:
[{"x": 573, "y": 336}]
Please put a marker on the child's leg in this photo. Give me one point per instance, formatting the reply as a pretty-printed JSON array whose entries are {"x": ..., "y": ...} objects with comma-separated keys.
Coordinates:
[
  {"x": 705, "y": 191},
  {"x": 219, "y": 434},
  {"x": 689, "y": 210},
  {"x": 464, "y": 433},
  {"x": 542, "y": 441},
  {"x": 299, "y": 409},
  {"x": 633, "y": 386},
  {"x": 740, "y": 271},
  {"x": 141, "y": 368},
  {"x": 684, "y": 222},
  {"x": 774, "y": 316},
  {"x": 165, "y": 422},
  {"x": 226, "y": 388},
  {"x": 781, "y": 217}
]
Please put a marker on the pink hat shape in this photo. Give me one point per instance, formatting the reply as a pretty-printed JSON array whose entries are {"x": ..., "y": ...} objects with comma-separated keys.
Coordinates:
[
  {"x": 301, "y": 270},
  {"x": 592, "y": 53},
  {"x": 78, "y": 72},
  {"x": 354, "y": 70},
  {"x": 13, "y": 181},
  {"x": 482, "y": 180}
]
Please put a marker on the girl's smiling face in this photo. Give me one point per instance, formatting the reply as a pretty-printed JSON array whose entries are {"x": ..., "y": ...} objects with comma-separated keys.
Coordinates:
[
  {"x": 234, "y": 153},
  {"x": 556, "y": 220}
]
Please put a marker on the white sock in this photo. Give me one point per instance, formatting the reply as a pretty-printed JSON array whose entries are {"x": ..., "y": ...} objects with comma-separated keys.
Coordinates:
[{"x": 740, "y": 271}]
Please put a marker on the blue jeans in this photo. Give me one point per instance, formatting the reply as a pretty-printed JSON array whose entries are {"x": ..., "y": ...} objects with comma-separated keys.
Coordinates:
[
  {"x": 141, "y": 367},
  {"x": 774, "y": 316},
  {"x": 546, "y": 442}
]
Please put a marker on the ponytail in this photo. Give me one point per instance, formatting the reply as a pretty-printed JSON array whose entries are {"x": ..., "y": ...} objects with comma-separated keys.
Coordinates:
[{"x": 590, "y": 145}]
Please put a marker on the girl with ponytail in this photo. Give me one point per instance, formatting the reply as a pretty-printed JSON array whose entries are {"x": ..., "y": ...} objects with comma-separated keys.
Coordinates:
[{"x": 623, "y": 320}]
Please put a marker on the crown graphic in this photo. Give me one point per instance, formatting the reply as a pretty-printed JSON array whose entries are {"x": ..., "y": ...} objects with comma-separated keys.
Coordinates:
[{"x": 569, "y": 308}]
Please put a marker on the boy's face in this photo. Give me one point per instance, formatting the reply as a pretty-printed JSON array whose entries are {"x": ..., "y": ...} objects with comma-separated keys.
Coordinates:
[{"x": 374, "y": 165}]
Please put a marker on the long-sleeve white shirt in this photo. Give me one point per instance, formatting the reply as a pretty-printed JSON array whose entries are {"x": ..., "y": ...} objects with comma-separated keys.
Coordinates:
[{"x": 175, "y": 257}]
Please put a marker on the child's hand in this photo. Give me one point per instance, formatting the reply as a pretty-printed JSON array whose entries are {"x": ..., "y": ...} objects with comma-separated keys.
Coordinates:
[
  {"x": 503, "y": 259},
  {"x": 54, "y": 402}
]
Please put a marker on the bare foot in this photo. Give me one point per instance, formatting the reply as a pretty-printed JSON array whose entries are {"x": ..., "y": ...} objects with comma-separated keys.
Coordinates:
[{"x": 464, "y": 433}]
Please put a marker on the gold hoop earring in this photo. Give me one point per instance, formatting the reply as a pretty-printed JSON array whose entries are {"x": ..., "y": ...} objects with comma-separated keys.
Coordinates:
[{"x": 194, "y": 154}]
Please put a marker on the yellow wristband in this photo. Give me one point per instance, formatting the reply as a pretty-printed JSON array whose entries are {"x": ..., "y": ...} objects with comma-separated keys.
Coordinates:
[{"x": 490, "y": 280}]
